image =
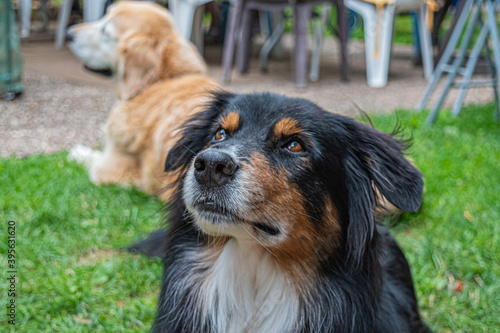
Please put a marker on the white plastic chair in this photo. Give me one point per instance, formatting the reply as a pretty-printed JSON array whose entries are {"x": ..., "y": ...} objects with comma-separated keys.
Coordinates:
[
  {"x": 93, "y": 10},
  {"x": 378, "y": 18},
  {"x": 188, "y": 15}
]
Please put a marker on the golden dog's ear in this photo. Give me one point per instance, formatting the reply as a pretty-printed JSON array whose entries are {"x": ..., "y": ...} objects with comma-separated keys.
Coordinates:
[{"x": 139, "y": 64}]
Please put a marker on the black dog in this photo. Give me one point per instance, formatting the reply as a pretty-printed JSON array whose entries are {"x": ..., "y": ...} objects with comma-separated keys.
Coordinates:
[{"x": 272, "y": 226}]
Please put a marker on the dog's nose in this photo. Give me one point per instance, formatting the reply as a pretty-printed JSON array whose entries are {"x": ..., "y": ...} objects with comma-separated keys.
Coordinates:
[
  {"x": 214, "y": 168},
  {"x": 70, "y": 35}
]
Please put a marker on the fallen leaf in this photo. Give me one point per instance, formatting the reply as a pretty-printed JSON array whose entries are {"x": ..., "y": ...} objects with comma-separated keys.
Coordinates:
[
  {"x": 93, "y": 257},
  {"x": 468, "y": 216},
  {"x": 459, "y": 286},
  {"x": 79, "y": 319}
]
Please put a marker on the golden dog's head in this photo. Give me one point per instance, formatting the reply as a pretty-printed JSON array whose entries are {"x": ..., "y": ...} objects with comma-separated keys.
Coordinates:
[{"x": 138, "y": 44}]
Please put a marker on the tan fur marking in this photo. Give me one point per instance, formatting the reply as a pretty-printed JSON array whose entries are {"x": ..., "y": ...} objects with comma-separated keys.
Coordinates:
[
  {"x": 306, "y": 239},
  {"x": 332, "y": 227},
  {"x": 286, "y": 127},
  {"x": 216, "y": 244},
  {"x": 231, "y": 122}
]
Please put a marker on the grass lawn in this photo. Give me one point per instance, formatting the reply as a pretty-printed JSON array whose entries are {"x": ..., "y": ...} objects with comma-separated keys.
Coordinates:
[{"x": 74, "y": 278}]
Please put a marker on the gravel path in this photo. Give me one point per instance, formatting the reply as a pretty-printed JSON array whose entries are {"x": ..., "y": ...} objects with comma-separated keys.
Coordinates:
[{"x": 52, "y": 115}]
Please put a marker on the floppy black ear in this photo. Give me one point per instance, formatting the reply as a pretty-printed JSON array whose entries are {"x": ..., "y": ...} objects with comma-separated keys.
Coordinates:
[
  {"x": 375, "y": 160},
  {"x": 392, "y": 174},
  {"x": 195, "y": 134}
]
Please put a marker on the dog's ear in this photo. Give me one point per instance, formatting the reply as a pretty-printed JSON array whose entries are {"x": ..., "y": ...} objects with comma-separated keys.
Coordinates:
[
  {"x": 140, "y": 62},
  {"x": 196, "y": 133},
  {"x": 392, "y": 174},
  {"x": 375, "y": 161}
]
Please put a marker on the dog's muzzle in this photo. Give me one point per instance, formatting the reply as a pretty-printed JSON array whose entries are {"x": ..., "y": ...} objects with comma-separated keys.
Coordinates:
[{"x": 214, "y": 168}]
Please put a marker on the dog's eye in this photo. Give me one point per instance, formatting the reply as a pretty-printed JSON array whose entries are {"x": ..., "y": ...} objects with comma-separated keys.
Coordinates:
[
  {"x": 220, "y": 135},
  {"x": 294, "y": 146}
]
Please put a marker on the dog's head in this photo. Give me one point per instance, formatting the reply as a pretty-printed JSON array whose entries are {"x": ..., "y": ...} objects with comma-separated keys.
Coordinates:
[
  {"x": 138, "y": 44},
  {"x": 286, "y": 174}
]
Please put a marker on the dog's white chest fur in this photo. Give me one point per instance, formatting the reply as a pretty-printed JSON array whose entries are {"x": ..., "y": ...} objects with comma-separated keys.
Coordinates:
[{"x": 247, "y": 292}]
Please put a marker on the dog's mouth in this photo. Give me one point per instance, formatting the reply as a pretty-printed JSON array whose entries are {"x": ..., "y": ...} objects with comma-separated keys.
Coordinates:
[
  {"x": 210, "y": 206},
  {"x": 214, "y": 219},
  {"x": 216, "y": 214},
  {"x": 214, "y": 210},
  {"x": 266, "y": 228},
  {"x": 105, "y": 72}
]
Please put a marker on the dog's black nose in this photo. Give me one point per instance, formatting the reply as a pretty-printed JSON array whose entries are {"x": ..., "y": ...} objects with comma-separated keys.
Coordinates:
[
  {"x": 69, "y": 35},
  {"x": 214, "y": 168}
]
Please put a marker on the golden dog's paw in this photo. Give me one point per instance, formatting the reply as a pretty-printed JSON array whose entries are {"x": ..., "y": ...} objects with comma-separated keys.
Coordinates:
[{"x": 83, "y": 154}]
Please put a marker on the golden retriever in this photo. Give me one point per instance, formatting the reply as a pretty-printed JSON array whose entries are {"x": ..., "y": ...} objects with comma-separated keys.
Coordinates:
[{"x": 161, "y": 82}]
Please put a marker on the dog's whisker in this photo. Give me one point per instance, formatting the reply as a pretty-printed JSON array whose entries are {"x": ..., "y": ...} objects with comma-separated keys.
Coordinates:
[
  {"x": 189, "y": 149},
  {"x": 268, "y": 250}
]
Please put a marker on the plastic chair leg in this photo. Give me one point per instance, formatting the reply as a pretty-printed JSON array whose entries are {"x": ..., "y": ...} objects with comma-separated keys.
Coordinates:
[
  {"x": 235, "y": 10},
  {"x": 425, "y": 44},
  {"x": 245, "y": 40},
  {"x": 62, "y": 22},
  {"x": 343, "y": 39},
  {"x": 172, "y": 6},
  {"x": 197, "y": 35},
  {"x": 495, "y": 40},
  {"x": 316, "y": 52},
  {"x": 93, "y": 10},
  {"x": 184, "y": 17},
  {"x": 378, "y": 40},
  {"x": 448, "y": 51},
  {"x": 378, "y": 52},
  {"x": 25, "y": 17},
  {"x": 469, "y": 70},
  {"x": 270, "y": 44},
  {"x": 302, "y": 13},
  {"x": 457, "y": 62}
]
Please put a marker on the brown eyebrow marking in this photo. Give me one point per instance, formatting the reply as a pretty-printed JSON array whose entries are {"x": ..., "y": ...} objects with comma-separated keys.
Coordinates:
[
  {"x": 286, "y": 127},
  {"x": 231, "y": 122}
]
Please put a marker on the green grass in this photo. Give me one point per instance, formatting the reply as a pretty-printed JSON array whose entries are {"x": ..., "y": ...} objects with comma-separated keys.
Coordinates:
[
  {"x": 73, "y": 277},
  {"x": 456, "y": 234}
]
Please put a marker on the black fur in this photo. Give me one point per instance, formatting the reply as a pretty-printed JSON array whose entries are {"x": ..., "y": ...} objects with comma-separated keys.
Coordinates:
[
  {"x": 366, "y": 285},
  {"x": 153, "y": 246}
]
